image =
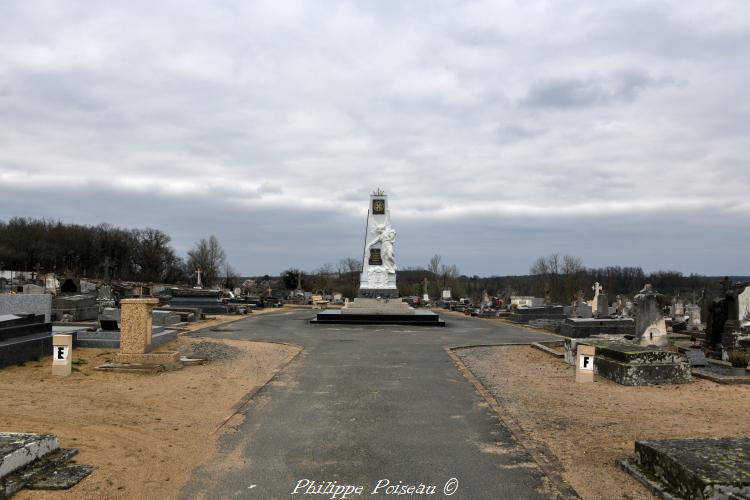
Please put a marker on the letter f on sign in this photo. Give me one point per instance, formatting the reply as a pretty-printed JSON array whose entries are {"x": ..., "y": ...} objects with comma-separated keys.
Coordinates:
[{"x": 585, "y": 361}]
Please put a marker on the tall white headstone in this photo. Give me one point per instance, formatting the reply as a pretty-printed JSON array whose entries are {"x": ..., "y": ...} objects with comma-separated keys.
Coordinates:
[{"x": 378, "y": 277}]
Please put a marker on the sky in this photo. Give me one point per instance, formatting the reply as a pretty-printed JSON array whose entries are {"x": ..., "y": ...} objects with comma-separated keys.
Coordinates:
[{"x": 616, "y": 131}]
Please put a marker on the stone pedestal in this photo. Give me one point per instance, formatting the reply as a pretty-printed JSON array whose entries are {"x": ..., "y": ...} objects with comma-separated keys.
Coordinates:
[
  {"x": 135, "y": 334},
  {"x": 135, "y": 325}
]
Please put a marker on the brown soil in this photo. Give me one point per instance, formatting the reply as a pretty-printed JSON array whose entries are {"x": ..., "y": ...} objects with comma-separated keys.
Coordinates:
[
  {"x": 144, "y": 433},
  {"x": 588, "y": 426}
]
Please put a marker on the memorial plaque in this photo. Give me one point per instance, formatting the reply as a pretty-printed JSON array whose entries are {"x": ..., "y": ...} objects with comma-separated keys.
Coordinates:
[
  {"x": 375, "y": 259},
  {"x": 378, "y": 207}
]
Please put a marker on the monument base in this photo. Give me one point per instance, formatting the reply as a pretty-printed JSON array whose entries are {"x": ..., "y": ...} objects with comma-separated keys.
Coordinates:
[
  {"x": 365, "y": 311},
  {"x": 374, "y": 293}
]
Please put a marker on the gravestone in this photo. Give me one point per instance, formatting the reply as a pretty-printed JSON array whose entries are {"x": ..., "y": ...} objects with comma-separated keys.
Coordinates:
[
  {"x": 31, "y": 288},
  {"x": 696, "y": 357},
  {"x": 602, "y": 306},
  {"x": 620, "y": 305},
  {"x": 597, "y": 288},
  {"x": 743, "y": 303},
  {"x": 32, "y": 303},
  {"x": 650, "y": 326},
  {"x": 24, "y": 337},
  {"x": 77, "y": 307},
  {"x": 694, "y": 316},
  {"x": 696, "y": 468},
  {"x": 526, "y": 314},
  {"x": 636, "y": 365},
  {"x": 586, "y": 327},
  {"x": 678, "y": 309},
  {"x": 208, "y": 301}
]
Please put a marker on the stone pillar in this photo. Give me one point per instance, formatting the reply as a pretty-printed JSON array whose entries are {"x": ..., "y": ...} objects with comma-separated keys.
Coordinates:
[
  {"x": 135, "y": 325},
  {"x": 135, "y": 335}
]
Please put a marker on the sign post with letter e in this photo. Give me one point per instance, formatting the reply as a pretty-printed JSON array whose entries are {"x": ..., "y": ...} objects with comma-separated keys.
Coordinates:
[
  {"x": 62, "y": 355},
  {"x": 585, "y": 363}
]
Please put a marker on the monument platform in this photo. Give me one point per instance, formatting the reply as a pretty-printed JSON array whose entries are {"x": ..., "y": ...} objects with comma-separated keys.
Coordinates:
[{"x": 341, "y": 317}]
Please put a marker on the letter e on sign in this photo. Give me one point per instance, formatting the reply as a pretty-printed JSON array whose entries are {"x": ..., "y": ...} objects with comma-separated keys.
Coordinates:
[{"x": 61, "y": 353}]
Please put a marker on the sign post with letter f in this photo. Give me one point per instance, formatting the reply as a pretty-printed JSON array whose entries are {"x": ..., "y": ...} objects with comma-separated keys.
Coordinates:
[{"x": 585, "y": 363}]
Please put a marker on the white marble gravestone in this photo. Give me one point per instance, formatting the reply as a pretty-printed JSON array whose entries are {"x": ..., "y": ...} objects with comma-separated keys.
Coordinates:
[
  {"x": 743, "y": 303},
  {"x": 378, "y": 278}
]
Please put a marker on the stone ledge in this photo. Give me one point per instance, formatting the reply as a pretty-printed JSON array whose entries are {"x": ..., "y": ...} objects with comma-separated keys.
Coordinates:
[{"x": 151, "y": 358}]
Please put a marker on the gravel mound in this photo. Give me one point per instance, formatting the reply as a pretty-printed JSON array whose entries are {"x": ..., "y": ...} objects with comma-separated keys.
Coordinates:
[{"x": 210, "y": 351}]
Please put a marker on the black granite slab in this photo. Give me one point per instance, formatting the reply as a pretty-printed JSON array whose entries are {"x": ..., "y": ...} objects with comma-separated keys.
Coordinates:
[{"x": 419, "y": 318}]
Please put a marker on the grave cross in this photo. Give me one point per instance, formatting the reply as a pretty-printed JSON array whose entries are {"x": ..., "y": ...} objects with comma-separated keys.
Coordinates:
[
  {"x": 597, "y": 288},
  {"x": 198, "y": 272}
]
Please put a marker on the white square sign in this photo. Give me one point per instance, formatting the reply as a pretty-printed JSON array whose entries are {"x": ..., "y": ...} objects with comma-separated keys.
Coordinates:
[
  {"x": 585, "y": 362},
  {"x": 60, "y": 352}
]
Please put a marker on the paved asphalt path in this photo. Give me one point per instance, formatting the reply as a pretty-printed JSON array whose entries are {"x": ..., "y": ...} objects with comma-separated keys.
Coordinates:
[{"x": 363, "y": 404}]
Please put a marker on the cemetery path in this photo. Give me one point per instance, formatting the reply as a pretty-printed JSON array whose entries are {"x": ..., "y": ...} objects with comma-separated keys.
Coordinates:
[{"x": 363, "y": 404}]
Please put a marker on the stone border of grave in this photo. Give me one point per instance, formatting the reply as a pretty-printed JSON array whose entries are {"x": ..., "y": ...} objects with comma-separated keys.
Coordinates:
[
  {"x": 36, "y": 462},
  {"x": 539, "y": 452},
  {"x": 691, "y": 468},
  {"x": 699, "y": 372},
  {"x": 548, "y": 347}
]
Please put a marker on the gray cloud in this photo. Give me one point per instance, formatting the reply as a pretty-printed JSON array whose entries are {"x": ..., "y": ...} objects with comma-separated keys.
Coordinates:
[
  {"x": 622, "y": 86},
  {"x": 581, "y": 112}
]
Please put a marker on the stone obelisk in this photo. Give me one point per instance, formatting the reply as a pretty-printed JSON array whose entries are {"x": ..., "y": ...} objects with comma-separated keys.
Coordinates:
[{"x": 378, "y": 278}]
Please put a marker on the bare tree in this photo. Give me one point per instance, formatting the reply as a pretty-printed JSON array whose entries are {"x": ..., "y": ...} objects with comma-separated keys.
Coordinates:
[
  {"x": 448, "y": 273},
  {"x": 434, "y": 265},
  {"x": 209, "y": 256}
]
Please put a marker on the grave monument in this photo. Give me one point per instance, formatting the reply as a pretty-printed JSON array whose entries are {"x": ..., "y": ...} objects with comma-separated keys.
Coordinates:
[
  {"x": 650, "y": 327},
  {"x": 378, "y": 300}
]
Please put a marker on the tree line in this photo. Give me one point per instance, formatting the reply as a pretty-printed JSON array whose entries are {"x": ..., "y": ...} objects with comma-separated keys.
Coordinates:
[
  {"x": 143, "y": 255},
  {"x": 146, "y": 255},
  {"x": 563, "y": 276}
]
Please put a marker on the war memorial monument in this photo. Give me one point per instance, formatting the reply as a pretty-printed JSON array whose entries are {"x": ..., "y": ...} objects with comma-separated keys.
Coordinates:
[{"x": 377, "y": 301}]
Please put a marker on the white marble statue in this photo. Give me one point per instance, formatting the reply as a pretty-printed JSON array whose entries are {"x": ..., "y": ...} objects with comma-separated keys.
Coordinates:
[{"x": 386, "y": 236}]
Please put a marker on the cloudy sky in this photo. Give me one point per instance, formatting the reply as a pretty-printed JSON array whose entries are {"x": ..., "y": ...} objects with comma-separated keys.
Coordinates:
[{"x": 617, "y": 131}]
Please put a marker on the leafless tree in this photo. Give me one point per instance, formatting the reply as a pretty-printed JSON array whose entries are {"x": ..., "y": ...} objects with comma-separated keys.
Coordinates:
[{"x": 209, "y": 256}]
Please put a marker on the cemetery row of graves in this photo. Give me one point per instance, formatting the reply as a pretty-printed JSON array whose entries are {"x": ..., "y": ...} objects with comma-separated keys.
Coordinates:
[{"x": 639, "y": 339}]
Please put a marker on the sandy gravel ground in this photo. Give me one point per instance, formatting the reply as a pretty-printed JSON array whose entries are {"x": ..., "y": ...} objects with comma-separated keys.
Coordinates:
[
  {"x": 588, "y": 426},
  {"x": 144, "y": 433}
]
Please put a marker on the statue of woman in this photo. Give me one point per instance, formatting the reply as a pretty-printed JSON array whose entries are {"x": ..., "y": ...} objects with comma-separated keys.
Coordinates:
[{"x": 386, "y": 236}]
